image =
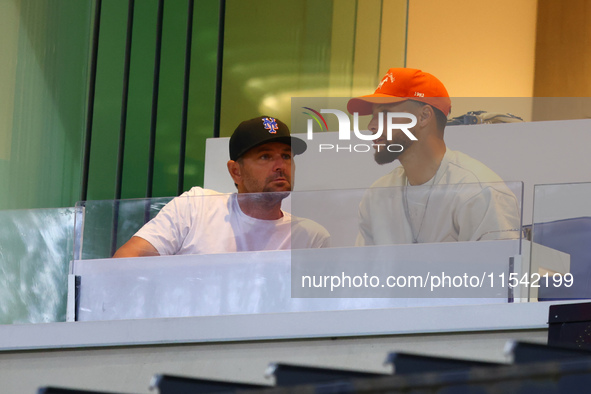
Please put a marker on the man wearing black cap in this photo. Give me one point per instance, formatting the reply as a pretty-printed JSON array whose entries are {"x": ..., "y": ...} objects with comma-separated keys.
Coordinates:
[
  {"x": 436, "y": 195},
  {"x": 202, "y": 221}
]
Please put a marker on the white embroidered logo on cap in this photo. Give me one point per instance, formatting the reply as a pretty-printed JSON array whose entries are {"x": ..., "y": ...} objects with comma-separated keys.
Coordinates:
[{"x": 388, "y": 76}]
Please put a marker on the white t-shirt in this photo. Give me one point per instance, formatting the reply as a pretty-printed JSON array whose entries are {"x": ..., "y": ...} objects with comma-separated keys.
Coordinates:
[
  {"x": 464, "y": 201},
  {"x": 203, "y": 221}
]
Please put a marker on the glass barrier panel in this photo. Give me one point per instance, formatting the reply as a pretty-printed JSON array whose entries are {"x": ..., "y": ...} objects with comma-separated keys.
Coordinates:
[
  {"x": 415, "y": 214},
  {"x": 205, "y": 222},
  {"x": 218, "y": 259},
  {"x": 35, "y": 253},
  {"x": 433, "y": 228},
  {"x": 105, "y": 225},
  {"x": 560, "y": 234}
]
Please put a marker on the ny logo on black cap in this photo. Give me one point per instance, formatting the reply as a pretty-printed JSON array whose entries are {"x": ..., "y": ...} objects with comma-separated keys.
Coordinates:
[{"x": 270, "y": 124}]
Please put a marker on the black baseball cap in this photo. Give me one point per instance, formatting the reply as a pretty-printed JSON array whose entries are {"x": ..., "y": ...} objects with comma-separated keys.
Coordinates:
[{"x": 260, "y": 130}]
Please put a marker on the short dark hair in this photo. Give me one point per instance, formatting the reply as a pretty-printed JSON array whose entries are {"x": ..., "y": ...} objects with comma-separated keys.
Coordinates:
[{"x": 440, "y": 117}]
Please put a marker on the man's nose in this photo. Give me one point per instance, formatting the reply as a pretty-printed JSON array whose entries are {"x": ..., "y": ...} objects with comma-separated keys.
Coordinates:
[
  {"x": 374, "y": 126},
  {"x": 280, "y": 164}
]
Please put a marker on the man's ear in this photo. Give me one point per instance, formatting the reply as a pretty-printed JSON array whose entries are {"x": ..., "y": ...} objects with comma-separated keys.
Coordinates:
[
  {"x": 425, "y": 115},
  {"x": 235, "y": 171}
]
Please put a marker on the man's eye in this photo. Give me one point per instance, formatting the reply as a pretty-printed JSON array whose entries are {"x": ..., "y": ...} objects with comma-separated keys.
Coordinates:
[
  {"x": 286, "y": 157},
  {"x": 265, "y": 156}
]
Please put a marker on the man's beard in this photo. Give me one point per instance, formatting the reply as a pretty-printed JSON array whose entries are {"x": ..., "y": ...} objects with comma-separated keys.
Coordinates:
[
  {"x": 385, "y": 156},
  {"x": 269, "y": 189}
]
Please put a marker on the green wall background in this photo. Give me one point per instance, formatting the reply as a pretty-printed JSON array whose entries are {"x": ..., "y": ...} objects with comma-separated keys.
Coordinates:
[
  {"x": 273, "y": 47},
  {"x": 110, "y": 68},
  {"x": 50, "y": 74}
]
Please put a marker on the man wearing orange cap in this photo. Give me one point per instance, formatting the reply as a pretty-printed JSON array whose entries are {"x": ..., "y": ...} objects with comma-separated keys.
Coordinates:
[{"x": 437, "y": 194}]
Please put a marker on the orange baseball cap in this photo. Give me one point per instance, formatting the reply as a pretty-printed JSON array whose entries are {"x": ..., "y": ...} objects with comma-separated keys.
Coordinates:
[{"x": 401, "y": 84}]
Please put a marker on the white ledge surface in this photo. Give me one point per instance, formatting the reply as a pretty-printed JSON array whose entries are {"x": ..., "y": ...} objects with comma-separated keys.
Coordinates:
[{"x": 415, "y": 320}]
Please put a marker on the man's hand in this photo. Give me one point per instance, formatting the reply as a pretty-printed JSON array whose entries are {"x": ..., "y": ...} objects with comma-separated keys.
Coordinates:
[{"x": 136, "y": 247}]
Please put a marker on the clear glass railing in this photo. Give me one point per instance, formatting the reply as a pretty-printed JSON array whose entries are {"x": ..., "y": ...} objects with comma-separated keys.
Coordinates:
[
  {"x": 330, "y": 250},
  {"x": 104, "y": 225},
  {"x": 246, "y": 265},
  {"x": 207, "y": 222},
  {"x": 561, "y": 235},
  {"x": 35, "y": 252}
]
